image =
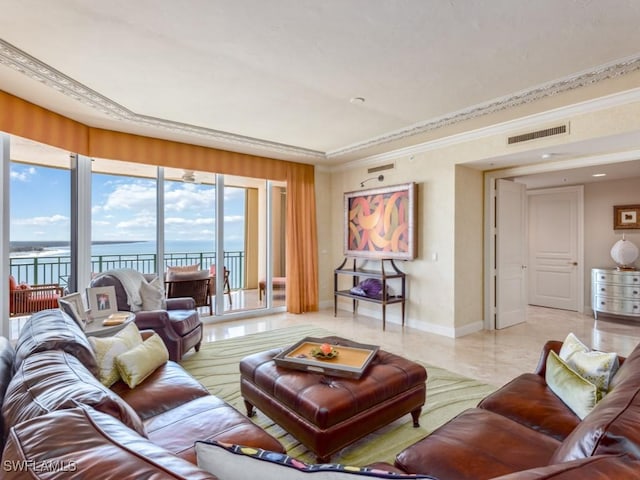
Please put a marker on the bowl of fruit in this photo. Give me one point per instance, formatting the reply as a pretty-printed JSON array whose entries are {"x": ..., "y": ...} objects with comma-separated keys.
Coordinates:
[{"x": 324, "y": 352}]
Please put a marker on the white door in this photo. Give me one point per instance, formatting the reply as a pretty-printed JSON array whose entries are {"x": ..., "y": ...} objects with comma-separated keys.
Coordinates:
[
  {"x": 554, "y": 248},
  {"x": 511, "y": 248}
]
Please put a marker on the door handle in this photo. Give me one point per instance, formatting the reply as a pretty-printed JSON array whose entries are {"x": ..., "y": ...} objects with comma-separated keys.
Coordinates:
[{"x": 575, "y": 264}]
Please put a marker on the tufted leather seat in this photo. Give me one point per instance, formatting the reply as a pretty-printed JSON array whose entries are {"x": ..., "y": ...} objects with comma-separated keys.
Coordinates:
[{"x": 327, "y": 413}]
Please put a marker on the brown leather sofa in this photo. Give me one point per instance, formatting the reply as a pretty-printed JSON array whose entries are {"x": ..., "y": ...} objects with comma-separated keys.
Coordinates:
[
  {"x": 524, "y": 431},
  {"x": 179, "y": 325},
  {"x": 59, "y": 421}
]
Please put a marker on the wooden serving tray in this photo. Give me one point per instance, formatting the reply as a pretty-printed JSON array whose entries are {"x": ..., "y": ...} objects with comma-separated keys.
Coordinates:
[{"x": 351, "y": 361}]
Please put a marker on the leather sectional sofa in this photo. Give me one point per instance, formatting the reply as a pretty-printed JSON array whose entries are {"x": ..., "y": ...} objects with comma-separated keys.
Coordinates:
[
  {"x": 59, "y": 421},
  {"x": 524, "y": 431}
]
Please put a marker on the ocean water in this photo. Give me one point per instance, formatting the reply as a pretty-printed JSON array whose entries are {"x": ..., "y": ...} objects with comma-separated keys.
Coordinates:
[{"x": 131, "y": 248}]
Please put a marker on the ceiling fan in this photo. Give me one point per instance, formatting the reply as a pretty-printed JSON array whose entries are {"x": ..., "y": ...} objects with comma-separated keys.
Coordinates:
[{"x": 189, "y": 176}]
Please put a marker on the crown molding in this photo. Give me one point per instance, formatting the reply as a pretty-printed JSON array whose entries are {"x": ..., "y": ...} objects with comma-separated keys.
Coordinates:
[
  {"x": 524, "y": 123},
  {"x": 33, "y": 68},
  {"x": 581, "y": 79}
]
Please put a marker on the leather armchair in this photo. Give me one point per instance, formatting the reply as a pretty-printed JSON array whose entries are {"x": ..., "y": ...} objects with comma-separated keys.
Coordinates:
[{"x": 179, "y": 325}]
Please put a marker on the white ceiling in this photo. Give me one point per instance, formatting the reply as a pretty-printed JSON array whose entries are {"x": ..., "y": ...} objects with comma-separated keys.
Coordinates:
[{"x": 275, "y": 78}]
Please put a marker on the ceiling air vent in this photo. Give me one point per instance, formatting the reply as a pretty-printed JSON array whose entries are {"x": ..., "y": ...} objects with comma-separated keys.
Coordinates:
[
  {"x": 547, "y": 132},
  {"x": 381, "y": 168}
]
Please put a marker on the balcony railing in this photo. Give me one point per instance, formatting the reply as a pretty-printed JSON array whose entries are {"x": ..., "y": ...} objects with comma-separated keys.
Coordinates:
[{"x": 39, "y": 270}]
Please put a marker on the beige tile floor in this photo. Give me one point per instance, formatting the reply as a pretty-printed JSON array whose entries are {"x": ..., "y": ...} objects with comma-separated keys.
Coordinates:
[{"x": 493, "y": 357}]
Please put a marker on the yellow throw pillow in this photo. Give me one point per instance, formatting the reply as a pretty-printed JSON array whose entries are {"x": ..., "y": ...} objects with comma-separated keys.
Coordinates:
[
  {"x": 108, "y": 348},
  {"x": 597, "y": 367},
  {"x": 570, "y": 346},
  {"x": 138, "y": 363},
  {"x": 578, "y": 393}
]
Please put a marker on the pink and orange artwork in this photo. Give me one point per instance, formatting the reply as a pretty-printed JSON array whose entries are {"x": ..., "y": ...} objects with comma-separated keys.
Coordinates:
[{"x": 379, "y": 222}]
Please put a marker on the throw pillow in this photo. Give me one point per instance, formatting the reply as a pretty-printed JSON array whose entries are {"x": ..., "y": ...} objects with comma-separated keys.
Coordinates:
[
  {"x": 191, "y": 275},
  {"x": 138, "y": 363},
  {"x": 597, "y": 367},
  {"x": 107, "y": 350},
  {"x": 578, "y": 393},
  {"x": 152, "y": 295},
  {"x": 183, "y": 268},
  {"x": 236, "y": 462},
  {"x": 570, "y": 346}
]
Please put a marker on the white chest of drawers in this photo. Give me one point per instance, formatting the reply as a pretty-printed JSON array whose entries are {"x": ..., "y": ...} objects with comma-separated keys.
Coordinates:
[{"x": 615, "y": 292}]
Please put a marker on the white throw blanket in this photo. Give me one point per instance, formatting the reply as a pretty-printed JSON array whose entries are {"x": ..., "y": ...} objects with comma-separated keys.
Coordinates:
[{"x": 131, "y": 281}]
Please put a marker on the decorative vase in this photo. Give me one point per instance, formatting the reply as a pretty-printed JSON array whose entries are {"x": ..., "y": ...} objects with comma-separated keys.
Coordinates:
[{"x": 624, "y": 253}]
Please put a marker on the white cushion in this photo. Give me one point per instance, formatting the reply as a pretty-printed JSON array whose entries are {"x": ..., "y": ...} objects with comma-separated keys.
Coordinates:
[
  {"x": 152, "y": 295},
  {"x": 236, "y": 462}
]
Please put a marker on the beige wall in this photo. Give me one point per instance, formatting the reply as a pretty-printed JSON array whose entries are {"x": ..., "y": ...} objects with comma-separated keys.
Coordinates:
[
  {"x": 445, "y": 283},
  {"x": 430, "y": 288},
  {"x": 469, "y": 238},
  {"x": 326, "y": 225},
  {"x": 599, "y": 235}
]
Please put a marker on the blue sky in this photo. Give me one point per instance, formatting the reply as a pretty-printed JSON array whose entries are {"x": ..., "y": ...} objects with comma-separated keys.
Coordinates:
[{"x": 123, "y": 208}]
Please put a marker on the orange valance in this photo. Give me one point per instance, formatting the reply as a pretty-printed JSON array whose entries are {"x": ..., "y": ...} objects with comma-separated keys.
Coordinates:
[{"x": 25, "y": 119}]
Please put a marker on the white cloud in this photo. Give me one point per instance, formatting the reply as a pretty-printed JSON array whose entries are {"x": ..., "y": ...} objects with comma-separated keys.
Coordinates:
[
  {"x": 187, "y": 197},
  {"x": 42, "y": 221},
  {"x": 233, "y": 218},
  {"x": 140, "y": 221},
  {"x": 131, "y": 196},
  {"x": 22, "y": 175}
]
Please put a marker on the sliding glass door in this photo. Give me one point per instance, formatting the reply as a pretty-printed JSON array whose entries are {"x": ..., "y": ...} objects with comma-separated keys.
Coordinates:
[{"x": 133, "y": 215}]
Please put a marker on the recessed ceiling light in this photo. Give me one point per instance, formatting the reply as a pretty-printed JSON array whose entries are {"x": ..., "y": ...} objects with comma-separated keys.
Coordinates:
[
  {"x": 599, "y": 175},
  {"x": 357, "y": 100}
]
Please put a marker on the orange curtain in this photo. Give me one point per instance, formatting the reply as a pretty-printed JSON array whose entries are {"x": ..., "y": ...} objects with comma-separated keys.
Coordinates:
[
  {"x": 19, "y": 117},
  {"x": 302, "y": 244}
]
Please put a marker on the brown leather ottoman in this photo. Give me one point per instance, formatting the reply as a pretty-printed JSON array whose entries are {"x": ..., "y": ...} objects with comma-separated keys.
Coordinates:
[{"x": 327, "y": 413}]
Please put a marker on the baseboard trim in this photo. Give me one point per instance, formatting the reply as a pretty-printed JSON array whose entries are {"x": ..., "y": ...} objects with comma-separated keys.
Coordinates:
[
  {"x": 451, "y": 332},
  {"x": 395, "y": 318}
]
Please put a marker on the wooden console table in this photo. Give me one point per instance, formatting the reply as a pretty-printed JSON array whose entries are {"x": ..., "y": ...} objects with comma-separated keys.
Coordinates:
[{"x": 384, "y": 275}]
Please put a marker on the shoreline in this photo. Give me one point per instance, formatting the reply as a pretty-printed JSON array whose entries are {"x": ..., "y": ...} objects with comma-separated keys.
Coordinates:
[{"x": 39, "y": 246}]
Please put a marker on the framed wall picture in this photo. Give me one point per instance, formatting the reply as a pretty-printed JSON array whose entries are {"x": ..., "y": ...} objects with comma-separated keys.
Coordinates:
[
  {"x": 102, "y": 301},
  {"x": 626, "y": 217},
  {"x": 381, "y": 222},
  {"x": 73, "y": 306}
]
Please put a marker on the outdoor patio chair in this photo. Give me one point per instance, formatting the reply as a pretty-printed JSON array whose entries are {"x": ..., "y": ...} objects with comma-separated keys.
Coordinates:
[
  {"x": 26, "y": 299},
  {"x": 190, "y": 284},
  {"x": 226, "y": 288}
]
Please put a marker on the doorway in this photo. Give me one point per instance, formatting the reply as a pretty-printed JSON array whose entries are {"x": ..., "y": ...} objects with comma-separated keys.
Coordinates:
[
  {"x": 555, "y": 252},
  {"x": 553, "y": 258}
]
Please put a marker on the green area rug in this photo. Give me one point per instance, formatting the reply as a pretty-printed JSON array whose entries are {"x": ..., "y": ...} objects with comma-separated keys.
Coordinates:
[{"x": 216, "y": 367}]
